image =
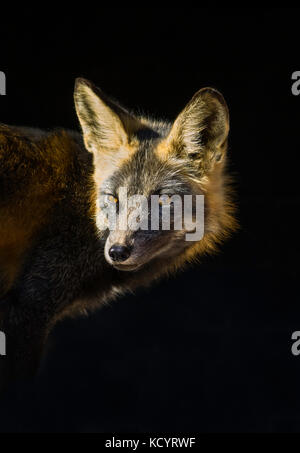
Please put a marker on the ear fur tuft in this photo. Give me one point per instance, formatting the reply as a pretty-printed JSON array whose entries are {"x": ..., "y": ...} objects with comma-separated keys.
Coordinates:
[
  {"x": 202, "y": 128},
  {"x": 104, "y": 123}
]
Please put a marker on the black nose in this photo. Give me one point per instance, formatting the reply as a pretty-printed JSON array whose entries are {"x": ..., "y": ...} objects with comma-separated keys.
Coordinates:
[{"x": 119, "y": 253}]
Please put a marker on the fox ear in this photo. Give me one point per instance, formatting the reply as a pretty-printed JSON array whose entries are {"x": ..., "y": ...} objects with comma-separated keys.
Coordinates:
[
  {"x": 105, "y": 124},
  {"x": 201, "y": 130}
]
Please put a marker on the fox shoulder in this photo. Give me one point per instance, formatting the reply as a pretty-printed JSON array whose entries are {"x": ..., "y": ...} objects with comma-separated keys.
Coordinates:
[{"x": 35, "y": 171}]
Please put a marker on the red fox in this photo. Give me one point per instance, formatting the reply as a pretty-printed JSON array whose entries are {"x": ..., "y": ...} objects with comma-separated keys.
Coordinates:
[{"x": 56, "y": 259}]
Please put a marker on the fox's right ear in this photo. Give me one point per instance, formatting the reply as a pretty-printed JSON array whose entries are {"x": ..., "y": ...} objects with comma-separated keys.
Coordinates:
[
  {"x": 106, "y": 126},
  {"x": 201, "y": 130}
]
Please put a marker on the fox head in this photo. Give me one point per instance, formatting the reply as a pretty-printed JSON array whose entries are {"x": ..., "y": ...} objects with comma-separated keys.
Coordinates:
[{"x": 158, "y": 161}]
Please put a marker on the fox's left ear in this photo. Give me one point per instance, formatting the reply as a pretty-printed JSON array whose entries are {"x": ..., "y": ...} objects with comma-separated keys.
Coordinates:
[
  {"x": 201, "y": 130},
  {"x": 105, "y": 124}
]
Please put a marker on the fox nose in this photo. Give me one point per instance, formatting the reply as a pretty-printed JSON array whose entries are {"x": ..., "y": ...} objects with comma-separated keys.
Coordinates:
[{"x": 119, "y": 253}]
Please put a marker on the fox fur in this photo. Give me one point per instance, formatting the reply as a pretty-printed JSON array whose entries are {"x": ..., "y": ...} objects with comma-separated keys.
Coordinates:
[{"x": 54, "y": 259}]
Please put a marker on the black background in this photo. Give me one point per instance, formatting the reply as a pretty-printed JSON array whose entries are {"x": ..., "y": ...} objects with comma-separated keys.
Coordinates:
[{"x": 209, "y": 351}]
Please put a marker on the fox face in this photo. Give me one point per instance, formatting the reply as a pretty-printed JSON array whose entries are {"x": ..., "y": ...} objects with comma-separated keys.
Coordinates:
[{"x": 152, "y": 178}]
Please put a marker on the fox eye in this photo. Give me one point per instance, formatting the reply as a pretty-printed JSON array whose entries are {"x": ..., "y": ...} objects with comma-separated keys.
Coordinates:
[
  {"x": 165, "y": 200},
  {"x": 112, "y": 199}
]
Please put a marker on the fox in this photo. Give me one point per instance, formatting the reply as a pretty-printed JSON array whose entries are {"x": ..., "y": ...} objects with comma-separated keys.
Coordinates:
[{"x": 56, "y": 259}]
